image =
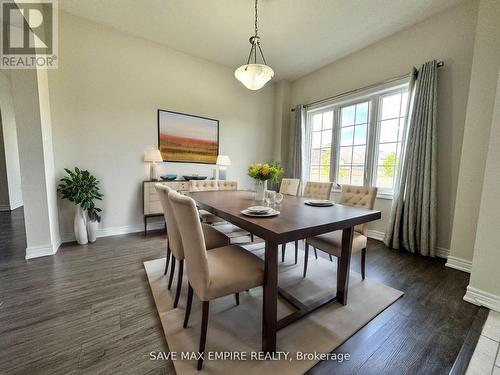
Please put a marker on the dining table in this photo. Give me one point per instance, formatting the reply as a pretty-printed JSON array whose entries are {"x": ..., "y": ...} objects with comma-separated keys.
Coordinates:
[{"x": 296, "y": 221}]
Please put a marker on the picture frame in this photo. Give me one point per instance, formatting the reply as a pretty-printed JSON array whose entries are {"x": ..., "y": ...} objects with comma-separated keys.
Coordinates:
[{"x": 186, "y": 138}]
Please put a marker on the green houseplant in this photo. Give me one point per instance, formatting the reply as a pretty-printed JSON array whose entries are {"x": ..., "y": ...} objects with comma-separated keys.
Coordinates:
[
  {"x": 261, "y": 173},
  {"x": 82, "y": 189}
]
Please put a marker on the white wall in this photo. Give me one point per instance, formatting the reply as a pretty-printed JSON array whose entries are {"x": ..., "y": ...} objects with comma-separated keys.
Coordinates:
[
  {"x": 29, "y": 94},
  {"x": 486, "y": 63},
  {"x": 104, "y": 100},
  {"x": 10, "y": 155},
  {"x": 448, "y": 36},
  {"x": 4, "y": 187},
  {"x": 484, "y": 287}
]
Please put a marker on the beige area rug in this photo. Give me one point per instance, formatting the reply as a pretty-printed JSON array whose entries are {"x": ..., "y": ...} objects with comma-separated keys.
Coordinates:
[{"x": 238, "y": 329}]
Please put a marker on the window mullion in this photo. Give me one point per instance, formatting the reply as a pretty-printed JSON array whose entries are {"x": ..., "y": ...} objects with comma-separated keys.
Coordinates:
[
  {"x": 334, "y": 157},
  {"x": 370, "y": 169}
]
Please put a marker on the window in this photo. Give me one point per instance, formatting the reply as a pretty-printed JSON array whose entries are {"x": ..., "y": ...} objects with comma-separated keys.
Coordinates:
[
  {"x": 358, "y": 140},
  {"x": 321, "y": 148}
]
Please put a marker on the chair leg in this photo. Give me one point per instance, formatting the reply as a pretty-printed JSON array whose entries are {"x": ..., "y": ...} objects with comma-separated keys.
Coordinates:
[
  {"x": 188, "y": 305},
  {"x": 251, "y": 237},
  {"x": 172, "y": 269},
  {"x": 315, "y": 253},
  {"x": 203, "y": 335},
  {"x": 331, "y": 259},
  {"x": 283, "y": 248},
  {"x": 296, "y": 250},
  {"x": 363, "y": 262},
  {"x": 169, "y": 254},
  {"x": 306, "y": 257},
  {"x": 179, "y": 283},
  {"x": 237, "y": 298}
]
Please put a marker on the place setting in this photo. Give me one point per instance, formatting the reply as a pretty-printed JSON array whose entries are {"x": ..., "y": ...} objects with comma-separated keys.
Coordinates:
[
  {"x": 319, "y": 203},
  {"x": 272, "y": 198}
]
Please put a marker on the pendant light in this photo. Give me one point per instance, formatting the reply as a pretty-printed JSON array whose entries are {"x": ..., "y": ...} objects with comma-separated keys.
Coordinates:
[{"x": 254, "y": 76}]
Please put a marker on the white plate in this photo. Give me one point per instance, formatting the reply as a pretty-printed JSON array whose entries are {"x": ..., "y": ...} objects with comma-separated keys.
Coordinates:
[
  {"x": 259, "y": 209},
  {"x": 319, "y": 203},
  {"x": 265, "y": 214}
]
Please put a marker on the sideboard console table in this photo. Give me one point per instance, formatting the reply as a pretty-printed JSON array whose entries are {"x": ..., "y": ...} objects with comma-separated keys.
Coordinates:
[{"x": 151, "y": 202}]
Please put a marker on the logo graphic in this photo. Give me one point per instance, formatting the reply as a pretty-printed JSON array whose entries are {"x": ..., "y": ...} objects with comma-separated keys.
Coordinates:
[{"x": 29, "y": 34}]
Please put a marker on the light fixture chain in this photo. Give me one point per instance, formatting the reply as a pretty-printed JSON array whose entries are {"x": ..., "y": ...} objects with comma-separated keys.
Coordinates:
[{"x": 256, "y": 19}]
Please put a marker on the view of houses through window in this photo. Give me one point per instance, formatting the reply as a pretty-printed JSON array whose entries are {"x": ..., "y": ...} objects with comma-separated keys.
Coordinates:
[{"x": 359, "y": 142}]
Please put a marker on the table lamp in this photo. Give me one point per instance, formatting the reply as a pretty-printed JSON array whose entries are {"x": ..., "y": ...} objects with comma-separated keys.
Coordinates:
[
  {"x": 222, "y": 162},
  {"x": 153, "y": 156}
]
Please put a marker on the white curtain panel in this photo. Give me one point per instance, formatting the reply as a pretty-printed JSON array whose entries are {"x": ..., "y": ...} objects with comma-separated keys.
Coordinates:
[{"x": 412, "y": 224}]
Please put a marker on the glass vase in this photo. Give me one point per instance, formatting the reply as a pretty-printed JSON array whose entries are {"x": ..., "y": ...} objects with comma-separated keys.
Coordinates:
[{"x": 260, "y": 190}]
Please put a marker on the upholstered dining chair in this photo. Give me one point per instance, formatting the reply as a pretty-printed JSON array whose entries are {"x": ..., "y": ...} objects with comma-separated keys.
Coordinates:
[
  {"x": 213, "y": 238},
  {"x": 318, "y": 190},
  {"x": 206, "y": 185},
  {"x": 331, "y": 243},
  {"x": 290, "y": 186},
  {"x": 212, "y": 274}
]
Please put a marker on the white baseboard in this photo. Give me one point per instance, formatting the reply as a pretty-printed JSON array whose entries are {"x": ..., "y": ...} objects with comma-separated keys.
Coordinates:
[
  {"x": 41, "y": 251},
  {"x": 10, "y": 207},
  {"x": 115, "y": 231},
  {"x": 482, "y": 298},
  {"x": 459, "y": 264},
  {"x": 441, "y": 252},
  {"x": 15, "y": 205},
  {"x": 376, "y": 235}
]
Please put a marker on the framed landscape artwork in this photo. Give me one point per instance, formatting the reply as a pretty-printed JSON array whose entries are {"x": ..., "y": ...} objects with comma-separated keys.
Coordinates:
[{"x": 186, "y": 138}]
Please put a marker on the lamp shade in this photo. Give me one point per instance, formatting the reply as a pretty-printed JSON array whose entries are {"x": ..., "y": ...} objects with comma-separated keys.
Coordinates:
[
  {"x": 152, "y": 156},
  {"x": 223, "y": 160},
  {"x": 254, "y": 76}
]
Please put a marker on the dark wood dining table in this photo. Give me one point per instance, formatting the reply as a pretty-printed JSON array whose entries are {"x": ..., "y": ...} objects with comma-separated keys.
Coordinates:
[{"x": 296, "y": 221}]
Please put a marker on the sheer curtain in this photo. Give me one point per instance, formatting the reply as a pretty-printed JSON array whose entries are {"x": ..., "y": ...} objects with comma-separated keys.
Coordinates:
[{"x": 412, "y": 224}]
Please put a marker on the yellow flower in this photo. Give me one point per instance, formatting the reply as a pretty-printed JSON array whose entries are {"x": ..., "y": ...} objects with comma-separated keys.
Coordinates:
[{"x": 265, "y": 169}]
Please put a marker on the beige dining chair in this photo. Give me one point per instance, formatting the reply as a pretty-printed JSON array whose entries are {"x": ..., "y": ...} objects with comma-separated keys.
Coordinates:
[
  {"x": 206, "y": 185},
  {"x": 215, "y": 273},
  {"x": 312, "y": 190},
  {"x": 331, "y": 243},
  {"x": 290, "y": 186},
  {"x": 213, "y": 238}
]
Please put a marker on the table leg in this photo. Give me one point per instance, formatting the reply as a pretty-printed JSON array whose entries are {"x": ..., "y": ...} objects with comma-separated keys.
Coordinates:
[
  {"x": 345, "y": 265},
  {"x": 270, "y": 300}
]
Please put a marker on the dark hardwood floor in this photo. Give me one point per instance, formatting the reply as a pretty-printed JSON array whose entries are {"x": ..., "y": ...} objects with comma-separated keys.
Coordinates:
[{"x": 89, "y": 310}]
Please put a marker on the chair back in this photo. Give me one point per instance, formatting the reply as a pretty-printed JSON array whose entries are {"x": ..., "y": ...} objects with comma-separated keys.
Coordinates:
[
  {"x": 227, "y": 185},
  {"x": 318, "y": 190},
  {"x": 203, "y": 185},
  {"x": 173, "y": 234},
  {"x": 195, "y": 251},
  {"x": 361, "y": 197},
  {"x": 290, "y": 186}
]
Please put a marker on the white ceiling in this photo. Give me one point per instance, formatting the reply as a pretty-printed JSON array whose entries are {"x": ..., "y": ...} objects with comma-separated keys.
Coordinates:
[{"x": 298, "y": 36}]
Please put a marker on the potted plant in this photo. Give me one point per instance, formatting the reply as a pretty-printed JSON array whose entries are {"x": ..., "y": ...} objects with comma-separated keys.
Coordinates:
[
  {"x": 80, "y": 188},
  {"x": 261, "y": 173}
]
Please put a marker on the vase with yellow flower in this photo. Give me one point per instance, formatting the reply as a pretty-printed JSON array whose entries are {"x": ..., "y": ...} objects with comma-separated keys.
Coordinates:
[{"x": 261, "y": 173}]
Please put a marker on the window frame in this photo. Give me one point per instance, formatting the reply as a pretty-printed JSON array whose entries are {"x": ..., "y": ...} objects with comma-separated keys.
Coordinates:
[{"x": 374, "y": 98}]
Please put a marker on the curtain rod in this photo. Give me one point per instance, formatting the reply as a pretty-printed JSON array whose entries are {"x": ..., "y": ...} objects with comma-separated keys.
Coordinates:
[{"x": 439, "y": 65}]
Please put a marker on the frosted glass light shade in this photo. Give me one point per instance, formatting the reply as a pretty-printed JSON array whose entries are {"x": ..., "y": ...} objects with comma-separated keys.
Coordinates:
[
  {"x": 223, "y": 160},
  {"x": 152, "y": 156},
  {"x": 254, "y": 76}
]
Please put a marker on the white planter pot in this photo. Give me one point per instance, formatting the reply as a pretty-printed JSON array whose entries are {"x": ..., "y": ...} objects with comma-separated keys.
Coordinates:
[
  {"x": 80, "y": 227},
  {"x": 92, "y": 230},
  {"x": 260, "y": 190}
]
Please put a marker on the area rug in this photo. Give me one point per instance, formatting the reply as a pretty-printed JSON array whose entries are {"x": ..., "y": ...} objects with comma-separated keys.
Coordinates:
[{"x": 235, "y": 331}]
